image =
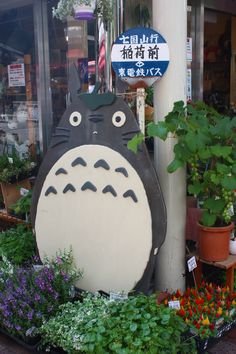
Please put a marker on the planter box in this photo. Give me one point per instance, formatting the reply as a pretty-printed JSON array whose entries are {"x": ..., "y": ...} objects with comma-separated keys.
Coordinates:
[
  {"x": 31, "y": 344},
  {"x": 203, "y": 344},
  {"x": 11, "y": 192}
]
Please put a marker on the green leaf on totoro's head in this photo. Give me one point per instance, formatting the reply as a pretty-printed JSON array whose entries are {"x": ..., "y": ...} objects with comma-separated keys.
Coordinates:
[
  {"x": 135, "y": 142},
  {"x": 95, "y": 100}
]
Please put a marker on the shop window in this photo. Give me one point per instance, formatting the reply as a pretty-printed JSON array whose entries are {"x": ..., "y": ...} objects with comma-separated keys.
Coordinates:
[{"x": 19, "y": 115}]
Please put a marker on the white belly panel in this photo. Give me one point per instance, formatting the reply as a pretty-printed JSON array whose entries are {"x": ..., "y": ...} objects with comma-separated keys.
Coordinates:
[{"x": 111, "y": 237}]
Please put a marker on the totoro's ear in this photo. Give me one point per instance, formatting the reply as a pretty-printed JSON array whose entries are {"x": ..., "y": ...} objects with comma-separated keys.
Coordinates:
[{"x": 74, "y": 83}]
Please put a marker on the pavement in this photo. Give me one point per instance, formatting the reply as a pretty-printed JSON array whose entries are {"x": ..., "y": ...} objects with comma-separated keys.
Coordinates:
[{"x": 225, "y": 345}]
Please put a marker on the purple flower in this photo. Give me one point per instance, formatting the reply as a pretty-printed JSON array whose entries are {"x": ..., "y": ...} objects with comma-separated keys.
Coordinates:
[
  {"x": 59, "y": 260},
  {"x": 37, "y": 297},
  {"x": 30, "y": 315}
]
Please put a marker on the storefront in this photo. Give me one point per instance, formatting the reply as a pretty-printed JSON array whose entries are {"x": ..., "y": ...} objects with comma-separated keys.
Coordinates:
[
  {"x": 212, "y": 27},
  {"x": 36, "y": 51}
]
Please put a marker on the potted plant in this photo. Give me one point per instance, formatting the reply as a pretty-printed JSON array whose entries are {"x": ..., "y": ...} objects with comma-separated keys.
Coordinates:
[
  {"x": 14, "y": 174},
  {"x": 206, "y": 143},
  {"x": 84, "y": 9}
]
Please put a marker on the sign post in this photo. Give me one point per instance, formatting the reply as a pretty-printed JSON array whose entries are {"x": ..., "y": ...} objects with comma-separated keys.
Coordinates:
[{"x": 140, "y": 56}]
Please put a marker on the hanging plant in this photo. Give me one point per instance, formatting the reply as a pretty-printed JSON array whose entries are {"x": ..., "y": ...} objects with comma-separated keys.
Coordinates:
[{"x": 103, "y": 9}]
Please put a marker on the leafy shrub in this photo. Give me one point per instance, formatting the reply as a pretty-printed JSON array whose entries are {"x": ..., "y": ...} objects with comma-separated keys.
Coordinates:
[
  {"x": 15, "y": 171},
  {"x": 97, "y": 325},
  {"x": 18, "y": 244},
  {"x": 29, "y": 296},
  {"x": 22, "y": 206}
]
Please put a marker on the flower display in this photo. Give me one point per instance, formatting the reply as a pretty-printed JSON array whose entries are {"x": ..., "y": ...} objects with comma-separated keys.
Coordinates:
[
  {"x": 205, "y": 309},
  {"x": 29, "y": 296}
]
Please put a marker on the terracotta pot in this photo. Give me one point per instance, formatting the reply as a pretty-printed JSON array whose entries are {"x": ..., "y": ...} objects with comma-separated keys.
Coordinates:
[
  {"x": 11, "y": 192},
  {"x": 213, "y": 242}
]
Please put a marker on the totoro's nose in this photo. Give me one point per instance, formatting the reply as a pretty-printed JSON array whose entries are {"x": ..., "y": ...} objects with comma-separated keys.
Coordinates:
[{"x": 96, "y": 118}]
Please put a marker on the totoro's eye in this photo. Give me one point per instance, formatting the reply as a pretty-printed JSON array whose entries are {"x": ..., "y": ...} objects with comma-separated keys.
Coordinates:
[
  {"x": 118, "y": 119},
  {"x": 75, "y": 119}
]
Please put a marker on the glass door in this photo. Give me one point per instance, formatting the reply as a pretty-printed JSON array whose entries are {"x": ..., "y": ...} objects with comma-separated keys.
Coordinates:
[{"x": 19, "y": 108}]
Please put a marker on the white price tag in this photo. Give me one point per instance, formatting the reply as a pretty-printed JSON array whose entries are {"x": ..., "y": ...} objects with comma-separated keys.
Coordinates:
[
  {"x": 192, "y": 264},
  {"x": 24, "y": 191},
  {"x": 10, "y": 159},
  {"x": 118, "y": 296},
  {"x": 174, "y": 304}
]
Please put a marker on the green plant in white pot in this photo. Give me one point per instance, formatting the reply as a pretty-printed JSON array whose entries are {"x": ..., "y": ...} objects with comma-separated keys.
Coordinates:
[{"x": 84, "y": 9}]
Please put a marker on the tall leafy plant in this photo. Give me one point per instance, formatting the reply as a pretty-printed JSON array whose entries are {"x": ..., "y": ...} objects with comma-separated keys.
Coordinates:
[{"x": 206, "y": 143}]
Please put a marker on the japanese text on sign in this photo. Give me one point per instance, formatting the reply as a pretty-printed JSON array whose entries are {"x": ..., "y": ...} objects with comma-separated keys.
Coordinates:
[{"x": 140, "y": 53}]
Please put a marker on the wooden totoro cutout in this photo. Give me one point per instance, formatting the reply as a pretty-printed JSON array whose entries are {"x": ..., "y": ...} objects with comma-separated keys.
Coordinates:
[{"x": 95, "y": 195}]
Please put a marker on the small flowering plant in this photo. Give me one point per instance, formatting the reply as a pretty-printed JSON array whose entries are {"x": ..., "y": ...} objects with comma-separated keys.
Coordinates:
[
  {"x": 205, "y": 309},
  {"x": 30, "y": 296}
]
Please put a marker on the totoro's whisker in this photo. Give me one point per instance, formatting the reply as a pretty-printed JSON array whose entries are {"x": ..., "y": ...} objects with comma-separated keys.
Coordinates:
[
  {"x": 59, "y": 142},
  {"x": 62, "y": 128},
  {"x": 127, "y": 138},
  {"x": 131, "y": 132},
  {"x": 60, "y": 135}
]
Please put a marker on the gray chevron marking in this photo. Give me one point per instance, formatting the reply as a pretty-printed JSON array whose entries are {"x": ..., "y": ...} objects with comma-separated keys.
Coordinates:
[
  {"x": 103, "y": 164},
  {"x": 109, "y": 189},
  {"x": 50, "y": 190},
  {"x": 90, "y": 186},
  {"x": 130, "y": 193},
  {"x": 79, "y": 161},
  {"x": 69, "y": 187}
]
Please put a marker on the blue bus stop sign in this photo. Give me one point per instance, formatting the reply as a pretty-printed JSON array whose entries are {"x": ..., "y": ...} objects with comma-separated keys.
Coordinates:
[{"x": 140, "y": 56}]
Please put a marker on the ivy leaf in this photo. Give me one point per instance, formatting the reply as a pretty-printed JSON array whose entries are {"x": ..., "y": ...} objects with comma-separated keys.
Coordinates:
[
  {"x": 204, "y": 154},
  {"x": 229, "y": 182},
  {"x": 174, "y": 165},
  {"x": 221, "y": 168},
  {"x": 160, "y": 130},
  {"x": 215, "y": 205},
  {"x": 191, "y": 142},
  {"x": 234, "y": 168},
  {"x": 133, "y": 327},
  {"x": 195, "y": 188},
  {"x": 208, "y": 219},
  {"x": 219, "y": 151},
  {"x": 135, "y": 141}
]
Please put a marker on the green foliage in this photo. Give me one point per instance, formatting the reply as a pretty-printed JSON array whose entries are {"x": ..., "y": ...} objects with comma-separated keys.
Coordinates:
[
  {"x": 136, "y": 325},
  {"x": 135, "y": 141},
  {"x": 18, "y": 244},
  {"x": 207, "y": 145},
  {"x": 22, "y": 206},
  {"x": 15, "y": 171},
  {"x": 66, "y": 8}
]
